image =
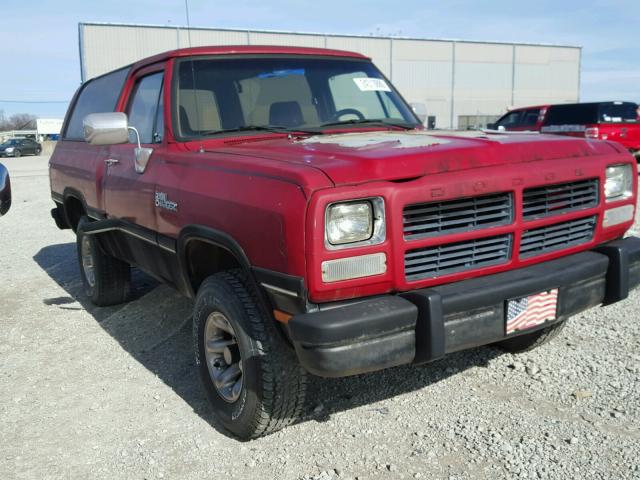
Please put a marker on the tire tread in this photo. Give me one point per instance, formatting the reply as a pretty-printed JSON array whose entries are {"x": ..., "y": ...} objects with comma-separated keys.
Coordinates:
[
  {"x": 284, "y": 382},
  {"x": 113, "y": 276}
]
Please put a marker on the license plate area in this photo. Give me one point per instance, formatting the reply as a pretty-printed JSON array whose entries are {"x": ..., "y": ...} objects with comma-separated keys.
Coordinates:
[{"x": 528, "y": 312}]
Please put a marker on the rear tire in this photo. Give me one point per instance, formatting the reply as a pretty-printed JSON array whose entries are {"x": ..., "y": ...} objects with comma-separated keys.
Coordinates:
[
  {"x": 252, "y": 378},
  {"x": 38, "y": 151},
  {"x": 529, "y": 341},
  {"x": 106, "y": 280}
]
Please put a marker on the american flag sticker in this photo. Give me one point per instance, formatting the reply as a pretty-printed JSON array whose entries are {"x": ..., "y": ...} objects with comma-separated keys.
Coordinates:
[{"x": 528, "y": 312}]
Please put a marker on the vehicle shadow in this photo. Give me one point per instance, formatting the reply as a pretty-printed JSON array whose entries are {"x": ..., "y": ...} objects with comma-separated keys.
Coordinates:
[{"x": 155, "y": 329}]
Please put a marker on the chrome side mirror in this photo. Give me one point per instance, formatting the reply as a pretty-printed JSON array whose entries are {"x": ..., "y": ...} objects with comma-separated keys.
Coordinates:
[
  {"x": 5, "y": 190},
  {"x": 420, "y": 109},
  {"x": 113, "y": 128},
  {"x": 106, "y": 128}
]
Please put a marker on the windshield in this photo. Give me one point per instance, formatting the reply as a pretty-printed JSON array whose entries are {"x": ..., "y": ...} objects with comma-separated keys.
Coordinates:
[
  {"x": 287, "y": 93},
  {"x": 8, "y": 143}
]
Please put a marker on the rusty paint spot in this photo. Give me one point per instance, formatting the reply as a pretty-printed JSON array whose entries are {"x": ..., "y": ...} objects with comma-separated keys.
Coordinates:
[
  {"x": 579, "y": 172},
  {"x": 550, "y": 176},
  {"x": 437, "y": 192},
  {"x": 517, "y": 181}
]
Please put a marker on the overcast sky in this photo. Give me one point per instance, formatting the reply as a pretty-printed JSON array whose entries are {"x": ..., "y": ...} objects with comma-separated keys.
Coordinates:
[{"x": 40, "y": 38}]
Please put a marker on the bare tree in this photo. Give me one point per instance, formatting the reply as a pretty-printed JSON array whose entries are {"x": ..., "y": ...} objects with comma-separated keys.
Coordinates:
[{"x": 18, "y": 121}]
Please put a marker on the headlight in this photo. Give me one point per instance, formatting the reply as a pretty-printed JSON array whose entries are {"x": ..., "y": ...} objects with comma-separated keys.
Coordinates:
[
  {"x": 355, "y": 222},
  {"x": 9, "y": 149},
  {"x": 619, "y": 182}
]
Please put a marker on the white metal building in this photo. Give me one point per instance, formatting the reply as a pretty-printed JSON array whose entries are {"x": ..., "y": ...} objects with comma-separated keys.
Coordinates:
[{"x": 459, "y": 81}]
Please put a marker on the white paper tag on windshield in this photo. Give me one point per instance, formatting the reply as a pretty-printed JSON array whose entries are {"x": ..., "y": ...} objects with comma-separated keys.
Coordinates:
[{"x": 372, "y": 84}]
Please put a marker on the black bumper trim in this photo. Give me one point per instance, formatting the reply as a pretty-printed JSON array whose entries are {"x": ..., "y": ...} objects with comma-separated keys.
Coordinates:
[
  {"x": 492, "y": 289},
  {"x": 364, "y": 336},
  {"x": 369, "y": 355},
  {"x": 424, "y": 325},
  {"x": 429, "y": 325},
  {"x": 354, "y": 322},
  {"x": 624, "y": 266}
]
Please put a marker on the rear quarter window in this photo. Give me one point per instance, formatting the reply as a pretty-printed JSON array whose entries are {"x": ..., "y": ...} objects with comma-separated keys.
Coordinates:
[
  {"x": 96, "y": 96},
  {"x": 575, "y": 114},
  {"x": 618, "y": 112}
]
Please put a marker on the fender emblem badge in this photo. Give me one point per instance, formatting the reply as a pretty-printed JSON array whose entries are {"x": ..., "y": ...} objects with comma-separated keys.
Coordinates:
[{"x": 162, "y": 201}]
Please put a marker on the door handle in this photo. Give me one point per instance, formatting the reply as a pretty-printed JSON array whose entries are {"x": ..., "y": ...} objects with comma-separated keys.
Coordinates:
[{"x": 111, "y": 161}]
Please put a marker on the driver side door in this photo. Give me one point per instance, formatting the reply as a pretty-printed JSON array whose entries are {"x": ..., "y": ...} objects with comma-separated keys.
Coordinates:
[{"x": 129, "y": 194}]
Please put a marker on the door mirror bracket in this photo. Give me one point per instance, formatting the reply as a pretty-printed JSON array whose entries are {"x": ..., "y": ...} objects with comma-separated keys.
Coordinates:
[{"x": 141, "y": 154}]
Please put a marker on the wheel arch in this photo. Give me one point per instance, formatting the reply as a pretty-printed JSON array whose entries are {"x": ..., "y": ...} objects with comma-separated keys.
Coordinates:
[
  {"x": 74, "y": 207},
  {"x": 203, "y": 251}
]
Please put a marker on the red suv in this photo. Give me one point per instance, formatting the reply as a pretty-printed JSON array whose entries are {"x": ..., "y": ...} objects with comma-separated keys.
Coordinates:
[
  {"x": 616, "y": 121},
  {"x": 294, "y": 195}
]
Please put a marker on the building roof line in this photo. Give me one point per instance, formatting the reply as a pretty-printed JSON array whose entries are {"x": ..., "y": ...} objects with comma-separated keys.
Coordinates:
[{"x": 301, "y": 33}]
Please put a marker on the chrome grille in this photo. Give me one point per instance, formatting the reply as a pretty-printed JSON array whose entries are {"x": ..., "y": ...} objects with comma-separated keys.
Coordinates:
[
  {"x": 556, "y": 237},
  {"x": 463, "y": 214},
  {"x": 549, "y": 200},
  {"x": 438, "y": 260}
]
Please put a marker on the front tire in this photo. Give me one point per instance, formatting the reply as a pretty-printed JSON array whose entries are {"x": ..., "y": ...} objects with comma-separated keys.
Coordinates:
[
  {"x": 529, "y": 341},
  {"x": 17, "y": 153},
  {"x": 252, "y": 378},
  {"x": 106, "y": 280}
]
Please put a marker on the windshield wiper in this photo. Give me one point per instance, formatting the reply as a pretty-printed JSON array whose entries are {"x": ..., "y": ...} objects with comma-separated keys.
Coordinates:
[
  {"x": 371, "y": 121},
  {"x": 258, "y": 128}
]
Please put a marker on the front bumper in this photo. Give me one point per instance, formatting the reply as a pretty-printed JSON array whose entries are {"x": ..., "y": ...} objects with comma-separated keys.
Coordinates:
[{"x": 419, "y": 326}]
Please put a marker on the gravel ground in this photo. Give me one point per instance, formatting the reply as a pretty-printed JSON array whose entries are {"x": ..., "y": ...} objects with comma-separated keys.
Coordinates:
[{"x": 88, "y": 392}]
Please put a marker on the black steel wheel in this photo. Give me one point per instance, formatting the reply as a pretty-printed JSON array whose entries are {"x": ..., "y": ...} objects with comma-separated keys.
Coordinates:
[
  {"x": 251, "y": 376},
  {"x": 106, "y": 280}
]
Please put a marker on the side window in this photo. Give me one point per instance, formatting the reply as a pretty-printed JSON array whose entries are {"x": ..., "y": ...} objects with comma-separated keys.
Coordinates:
[
  {"x": 97, "y": 96},
  {"x": 572, "y": 114},
  {"x": 530, "y": 117},
  {"x": 144, "y": 109},
  {"x": 510, "y": 120}
]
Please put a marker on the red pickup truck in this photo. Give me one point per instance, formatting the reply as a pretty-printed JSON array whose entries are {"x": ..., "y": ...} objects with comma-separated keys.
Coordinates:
[
  {"x": 320, "y": 229},
  {"x": 616, "y": 121}
]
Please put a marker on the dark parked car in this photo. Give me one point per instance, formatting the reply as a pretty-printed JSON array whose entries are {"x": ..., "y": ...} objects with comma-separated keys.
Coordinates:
[
  {"x": 5, "y": 190},
  {"x": 17, "y": 147}
]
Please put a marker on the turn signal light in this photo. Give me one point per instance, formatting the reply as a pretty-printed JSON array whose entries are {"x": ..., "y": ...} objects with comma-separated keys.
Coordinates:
[{"x": 354, "y": 267}]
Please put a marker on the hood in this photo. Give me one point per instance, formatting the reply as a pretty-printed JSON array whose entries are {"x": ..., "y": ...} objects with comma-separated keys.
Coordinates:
[{"x": 350, "y": 158}]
